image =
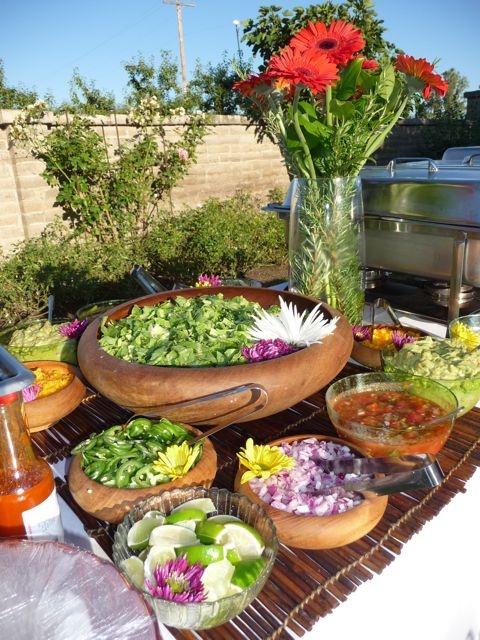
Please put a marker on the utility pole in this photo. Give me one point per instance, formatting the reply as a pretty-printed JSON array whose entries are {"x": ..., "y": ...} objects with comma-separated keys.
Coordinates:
[{"x": 179, "y": 6}]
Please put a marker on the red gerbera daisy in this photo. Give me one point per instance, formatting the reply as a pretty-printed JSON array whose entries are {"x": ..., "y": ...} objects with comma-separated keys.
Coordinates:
[
  {"x": 248, "y": 86},
  {"x": 369, "y": 65},
  {"x": 312, "y": 69},
  {"x": 339, "y": 41},
  {"x": 422, "y": 70}
]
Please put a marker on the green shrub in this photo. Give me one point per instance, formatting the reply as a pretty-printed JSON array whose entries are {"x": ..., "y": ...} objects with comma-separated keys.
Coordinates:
[
  {"x": 223, "y": 237},
  {"x": 73, "y": 270},
  {"x": 227, "y": 237}
]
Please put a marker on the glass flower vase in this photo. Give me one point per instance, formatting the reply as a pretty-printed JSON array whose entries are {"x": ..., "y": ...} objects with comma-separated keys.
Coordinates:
[{"x": 327, "y": 243}]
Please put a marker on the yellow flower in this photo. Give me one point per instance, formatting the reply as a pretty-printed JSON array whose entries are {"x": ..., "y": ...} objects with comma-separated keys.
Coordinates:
[
  {"x": 176, "y": 460},
  {"x": 262, "y": 461},
  {"x": 467, "y": 335}
]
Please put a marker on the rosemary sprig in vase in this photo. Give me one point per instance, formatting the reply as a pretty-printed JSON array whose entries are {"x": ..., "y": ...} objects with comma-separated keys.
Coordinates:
[{"x": 330, "y": 109}]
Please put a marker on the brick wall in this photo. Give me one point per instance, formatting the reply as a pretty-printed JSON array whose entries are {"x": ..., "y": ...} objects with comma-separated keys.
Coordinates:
[{"x": 230, "y": 160}]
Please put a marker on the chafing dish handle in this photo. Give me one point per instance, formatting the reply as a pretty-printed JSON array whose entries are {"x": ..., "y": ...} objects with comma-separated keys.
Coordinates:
[{"x": 392, "y": 165}]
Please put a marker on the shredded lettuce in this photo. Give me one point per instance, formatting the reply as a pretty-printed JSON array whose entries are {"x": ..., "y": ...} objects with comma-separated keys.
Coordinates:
[{"x": 202, "y": 331}]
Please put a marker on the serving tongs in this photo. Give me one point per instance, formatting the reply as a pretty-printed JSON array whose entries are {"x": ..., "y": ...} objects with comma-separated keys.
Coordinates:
[
  {"x": 401, "y": 473},
  {"x": 381, "y": 303}
]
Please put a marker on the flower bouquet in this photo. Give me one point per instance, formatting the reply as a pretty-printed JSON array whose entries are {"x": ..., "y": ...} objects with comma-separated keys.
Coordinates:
[{"x": 330, "y": 108}]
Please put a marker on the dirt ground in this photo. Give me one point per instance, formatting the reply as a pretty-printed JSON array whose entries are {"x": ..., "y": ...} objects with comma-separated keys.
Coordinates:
[{"x": 269, "y": 275}]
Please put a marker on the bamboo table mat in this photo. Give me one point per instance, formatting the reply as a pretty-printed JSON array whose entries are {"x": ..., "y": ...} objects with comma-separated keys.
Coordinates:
[{"x": 304, "y": 585}]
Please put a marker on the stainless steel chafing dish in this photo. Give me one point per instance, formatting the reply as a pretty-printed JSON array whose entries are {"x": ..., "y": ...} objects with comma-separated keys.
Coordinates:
[{"x": 422, "y": 217}]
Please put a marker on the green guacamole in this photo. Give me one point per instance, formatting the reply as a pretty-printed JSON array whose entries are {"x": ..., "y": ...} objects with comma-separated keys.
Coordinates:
[{"x": 448, "y": 359}]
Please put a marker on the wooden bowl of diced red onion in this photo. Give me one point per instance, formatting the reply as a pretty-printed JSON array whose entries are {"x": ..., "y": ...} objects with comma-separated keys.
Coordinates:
[{"x": 304, "y": 518}]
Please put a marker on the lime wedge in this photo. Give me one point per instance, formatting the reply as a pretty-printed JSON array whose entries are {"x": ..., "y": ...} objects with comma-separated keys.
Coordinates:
[
  {"x": 203, "y": 553},
  {"x": 242, "y": 537},
  {"x": 216, "y": 579},
  {"x": 157, "y": 555},
  {"x": 247, "y": 571},
  {"x": 172, "y": 535},
  {"x": 178, "y": 517},
  {"x": 204, "y": 504},
  {"x": 158, "y": 515},
  {"x": 139, "y": 533},
  {"x": 188, "y": 524},
  {"x": 222, "y": 518},
  {"x": 133, "y": 569},
  {"x": 143, "y": 553},
  {"x": 232, "y": 555},
  {"x": 208, "y": 531}
]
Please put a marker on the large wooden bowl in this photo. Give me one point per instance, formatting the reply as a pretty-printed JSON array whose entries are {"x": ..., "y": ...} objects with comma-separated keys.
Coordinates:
[
  {"x": 320, "y": 532},
  {"x": 43, "y": 412},
  {"x": 112, "y": 504},
  {"x": 145, "y": 388}
]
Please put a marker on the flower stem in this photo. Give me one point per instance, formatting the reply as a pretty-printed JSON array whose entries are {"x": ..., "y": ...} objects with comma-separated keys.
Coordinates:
[{"x": 301, "y": 137}]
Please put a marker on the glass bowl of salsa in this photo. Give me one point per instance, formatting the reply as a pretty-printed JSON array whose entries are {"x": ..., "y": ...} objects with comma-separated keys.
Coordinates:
[{"x": 389, "y": 413}]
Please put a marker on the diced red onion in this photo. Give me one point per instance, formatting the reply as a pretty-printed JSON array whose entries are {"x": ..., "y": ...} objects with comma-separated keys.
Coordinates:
[{"x": 296, "y": 490}]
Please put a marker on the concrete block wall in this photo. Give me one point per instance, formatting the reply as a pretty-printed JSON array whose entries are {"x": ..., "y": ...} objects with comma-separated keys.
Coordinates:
[{"x": 230, "y": 160}]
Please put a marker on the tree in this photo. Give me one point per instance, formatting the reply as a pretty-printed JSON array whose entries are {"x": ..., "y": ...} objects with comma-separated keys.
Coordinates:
[
  {"x": 86, "y": 99},
  {"x": 453, "y": 106},
  {"x": 274, "y": 28},
  {"x": 213, "y": 87},
  {"x": 147, "y": 79},
  {"x": 14, "y": 97}
]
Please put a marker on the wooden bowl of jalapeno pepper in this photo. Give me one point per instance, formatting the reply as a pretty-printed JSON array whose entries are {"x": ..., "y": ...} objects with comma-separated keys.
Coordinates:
[{"x": 116, "y": 469}]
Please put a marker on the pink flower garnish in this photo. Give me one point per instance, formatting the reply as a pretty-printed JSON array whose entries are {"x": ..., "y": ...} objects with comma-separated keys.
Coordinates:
[
  {"x": 31, "y": 392},
  {"x": 73, "y": 329},
  {"x": 399, "y": 339},
  {"x": 267, "y": 350},
  {"x": 361, "y": 332},
  {"x": 204, "y": 280},
  {"x": 178, "y": 581}
]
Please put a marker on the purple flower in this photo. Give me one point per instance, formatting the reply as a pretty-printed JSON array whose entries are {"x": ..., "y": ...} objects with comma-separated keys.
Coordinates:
[
  {"x": 31, "y": 392},
  {"x": 361, "y": 332},
  {"x": 399, "y": 338},
  {"x": 208, "y": 281},
  {"x": 73, "y": 329},
  {"x": 178, "y": 581},
  {"x": 267, "y": 350}
]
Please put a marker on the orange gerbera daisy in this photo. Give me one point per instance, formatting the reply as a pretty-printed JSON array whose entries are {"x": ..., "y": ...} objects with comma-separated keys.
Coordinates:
[
  {"x": 312, "y": 69},
  {"x": 422, "y": 70},
  {"x": 340, "y": 41}
]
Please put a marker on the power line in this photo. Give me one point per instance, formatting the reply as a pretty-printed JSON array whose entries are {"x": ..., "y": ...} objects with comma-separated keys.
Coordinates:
[{"x": 179, "y": 6}]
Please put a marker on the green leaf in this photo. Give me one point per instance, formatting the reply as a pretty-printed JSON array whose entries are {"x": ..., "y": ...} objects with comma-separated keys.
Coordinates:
[{"x": 347, "y": 85}]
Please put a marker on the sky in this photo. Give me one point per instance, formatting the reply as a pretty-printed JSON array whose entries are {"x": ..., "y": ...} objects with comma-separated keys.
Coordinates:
[{"x": 42, "y": 43}]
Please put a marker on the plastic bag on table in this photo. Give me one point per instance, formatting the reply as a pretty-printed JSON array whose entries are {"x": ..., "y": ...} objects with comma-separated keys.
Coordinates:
[{"x": 52, "y": 591}]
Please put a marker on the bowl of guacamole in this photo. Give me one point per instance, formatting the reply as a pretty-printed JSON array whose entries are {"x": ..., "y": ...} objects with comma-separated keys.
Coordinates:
[
  {"x": 39, "y": 340},
  {"x": 448, "y": 361}
]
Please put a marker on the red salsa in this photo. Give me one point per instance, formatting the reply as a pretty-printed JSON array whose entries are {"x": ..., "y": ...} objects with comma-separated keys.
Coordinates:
[{"x": 395, "y": 416}]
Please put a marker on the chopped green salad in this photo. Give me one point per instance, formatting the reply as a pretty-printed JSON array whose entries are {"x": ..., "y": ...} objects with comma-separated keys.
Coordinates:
[{"x": 202, "y": 331}]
